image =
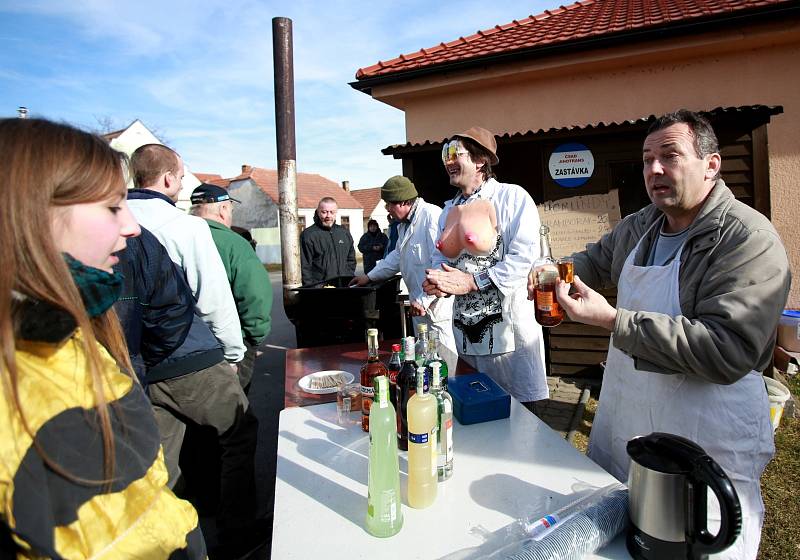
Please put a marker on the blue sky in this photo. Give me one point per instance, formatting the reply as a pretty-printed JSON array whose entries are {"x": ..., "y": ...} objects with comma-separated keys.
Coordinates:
[{"x": 200, "y": 73}]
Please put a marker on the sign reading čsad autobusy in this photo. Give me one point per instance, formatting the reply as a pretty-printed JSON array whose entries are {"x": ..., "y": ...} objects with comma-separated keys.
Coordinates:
[{"x": 571, "y": 165}]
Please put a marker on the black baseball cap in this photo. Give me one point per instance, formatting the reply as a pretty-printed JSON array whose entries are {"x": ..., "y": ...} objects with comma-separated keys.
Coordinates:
[{"x": 207, "y": 193}]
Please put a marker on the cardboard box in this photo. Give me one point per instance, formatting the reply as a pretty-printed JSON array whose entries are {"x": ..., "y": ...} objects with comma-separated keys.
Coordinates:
[{"x": 477, "y": 398}]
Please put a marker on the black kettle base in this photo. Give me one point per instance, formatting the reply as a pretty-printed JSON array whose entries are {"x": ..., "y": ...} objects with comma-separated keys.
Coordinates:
[{"x": 642, "y": 546}]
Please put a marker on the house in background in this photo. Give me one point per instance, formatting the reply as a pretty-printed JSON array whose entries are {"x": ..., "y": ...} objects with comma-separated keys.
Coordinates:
[
  {"x": 586, "y": 80},
  {"x": 374, "y": 207},
  {"x": 257, "y": 189},
  {"x": 137, "y": 134}
]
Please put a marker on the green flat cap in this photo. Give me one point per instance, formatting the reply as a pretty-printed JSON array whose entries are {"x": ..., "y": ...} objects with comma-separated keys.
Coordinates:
[{"x": 398, "y": 189}]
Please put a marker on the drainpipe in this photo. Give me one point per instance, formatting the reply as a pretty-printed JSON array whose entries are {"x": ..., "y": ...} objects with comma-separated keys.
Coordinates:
[{"x": 287, "y": 158}]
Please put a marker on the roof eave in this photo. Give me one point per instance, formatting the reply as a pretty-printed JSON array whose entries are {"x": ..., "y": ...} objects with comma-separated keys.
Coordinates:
[{"x": 709, "y": 23}]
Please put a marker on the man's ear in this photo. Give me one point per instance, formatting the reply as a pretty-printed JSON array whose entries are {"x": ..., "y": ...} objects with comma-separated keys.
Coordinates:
[{"x": 713, "y": 166}]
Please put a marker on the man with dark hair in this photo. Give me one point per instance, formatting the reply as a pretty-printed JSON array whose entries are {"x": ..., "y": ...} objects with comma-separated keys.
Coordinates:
[
  {"x": 198, "y": 383},
  {"x": 372, "y": 245},
  {"x": 417, "y": 231},
  {"x": 326, "y": 248},
  {"x": 187, "y": 240},
  {"x": 493, "y": 321},
  {"x": 701, "y": 283}
]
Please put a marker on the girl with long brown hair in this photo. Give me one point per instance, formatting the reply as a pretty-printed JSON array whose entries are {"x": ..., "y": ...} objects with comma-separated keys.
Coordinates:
[{"x": 81, "y": 470}]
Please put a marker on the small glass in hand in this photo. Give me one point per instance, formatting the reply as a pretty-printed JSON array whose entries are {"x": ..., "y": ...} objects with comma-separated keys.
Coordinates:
[{"x": 566, "y": 269}]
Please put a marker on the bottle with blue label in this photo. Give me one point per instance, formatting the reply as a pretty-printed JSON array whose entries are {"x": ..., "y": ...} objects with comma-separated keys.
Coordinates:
[{"x": 422, "y": 452}]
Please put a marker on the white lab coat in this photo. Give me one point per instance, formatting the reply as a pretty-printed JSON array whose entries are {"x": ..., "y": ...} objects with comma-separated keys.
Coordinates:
[
  {"x": 416, "y": 242},
  {"x": 511, "y": 348}
]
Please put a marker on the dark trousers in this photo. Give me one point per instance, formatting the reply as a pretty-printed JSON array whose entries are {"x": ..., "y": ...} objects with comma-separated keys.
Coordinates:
[{"x": 212, "y": 397}]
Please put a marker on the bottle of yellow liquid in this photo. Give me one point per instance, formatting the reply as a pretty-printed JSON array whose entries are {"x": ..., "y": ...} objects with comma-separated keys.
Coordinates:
[{"x": 422, "y": 424}]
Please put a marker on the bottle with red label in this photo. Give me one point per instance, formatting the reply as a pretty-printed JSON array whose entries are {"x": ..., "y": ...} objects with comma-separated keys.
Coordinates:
[
  {"x": 369, "y": 371},
  {"x": 394, "y": 366}
]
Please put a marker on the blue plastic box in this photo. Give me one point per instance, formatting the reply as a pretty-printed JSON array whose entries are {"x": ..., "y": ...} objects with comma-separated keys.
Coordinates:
[{"x": 477, "y": 398}]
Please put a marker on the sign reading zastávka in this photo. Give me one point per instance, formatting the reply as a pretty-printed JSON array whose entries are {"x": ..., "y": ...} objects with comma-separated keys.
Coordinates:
[{"x": 571, "y": 165}]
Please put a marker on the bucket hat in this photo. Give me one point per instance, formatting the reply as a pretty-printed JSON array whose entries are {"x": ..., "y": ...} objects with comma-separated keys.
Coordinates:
[{"x": 484, "y": 138}]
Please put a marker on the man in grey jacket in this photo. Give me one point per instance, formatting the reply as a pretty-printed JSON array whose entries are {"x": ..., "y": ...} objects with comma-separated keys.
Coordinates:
[{"x": 702, "y": 280}]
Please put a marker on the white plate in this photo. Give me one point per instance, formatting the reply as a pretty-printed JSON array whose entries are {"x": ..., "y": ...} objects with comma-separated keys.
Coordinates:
[{"x": 305, "y": 381}]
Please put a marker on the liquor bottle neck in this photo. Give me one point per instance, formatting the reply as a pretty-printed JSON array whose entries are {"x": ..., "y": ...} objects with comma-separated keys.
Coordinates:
[{"x": 372, "y": 348}]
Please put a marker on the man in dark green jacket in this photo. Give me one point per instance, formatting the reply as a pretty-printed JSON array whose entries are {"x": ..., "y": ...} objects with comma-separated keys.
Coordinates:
[{"x": 250, "y": 284}]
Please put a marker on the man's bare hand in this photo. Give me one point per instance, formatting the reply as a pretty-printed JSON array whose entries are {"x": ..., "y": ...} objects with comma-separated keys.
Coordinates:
[
  {"x": 448, "y": 280},
  {"x": 585, "y": 305},
  {"x": 362, "y": 280},
  {"x": 417, "y": 310}
]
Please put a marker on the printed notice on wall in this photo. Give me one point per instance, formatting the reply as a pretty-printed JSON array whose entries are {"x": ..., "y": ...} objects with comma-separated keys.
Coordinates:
[{"x": 579, "y": 220}]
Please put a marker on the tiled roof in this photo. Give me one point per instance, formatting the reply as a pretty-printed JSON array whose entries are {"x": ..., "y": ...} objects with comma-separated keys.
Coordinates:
[
  {"x": 760, "y": 113},
  {"x": 587, "y": 19},
  {"x": 310, "y": 187},
  {"x": 369, "y": 199},
  {"x": 213, "y": 178}
]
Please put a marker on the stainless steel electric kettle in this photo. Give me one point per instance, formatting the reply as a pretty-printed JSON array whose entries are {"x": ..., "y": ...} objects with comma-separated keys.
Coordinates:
[{"x": 667, "y": 484}]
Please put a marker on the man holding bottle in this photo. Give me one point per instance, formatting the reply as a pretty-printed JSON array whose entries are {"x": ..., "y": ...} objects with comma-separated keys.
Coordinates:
[
  {"x": 417, "y": 231},
  {"x": 702, "y": 280},
  {"x": 493, "y": 322}
]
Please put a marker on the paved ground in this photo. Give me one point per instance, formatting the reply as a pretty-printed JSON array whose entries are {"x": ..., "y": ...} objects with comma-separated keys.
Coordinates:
[{"x": 266, "y": 397}]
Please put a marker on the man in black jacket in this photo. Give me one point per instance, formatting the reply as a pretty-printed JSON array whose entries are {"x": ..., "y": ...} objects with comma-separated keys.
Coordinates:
[{"x": 326, "y": 248}]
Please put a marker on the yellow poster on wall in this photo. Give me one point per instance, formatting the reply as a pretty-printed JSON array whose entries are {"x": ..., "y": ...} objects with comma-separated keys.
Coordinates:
[{"x": 579, "y": 220}]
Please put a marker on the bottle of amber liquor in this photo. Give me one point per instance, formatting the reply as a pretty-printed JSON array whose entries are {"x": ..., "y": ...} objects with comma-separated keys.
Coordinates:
[{"x": 369, "y": 371}]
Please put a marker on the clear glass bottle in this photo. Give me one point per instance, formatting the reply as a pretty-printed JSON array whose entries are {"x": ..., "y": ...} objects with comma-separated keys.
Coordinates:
[
  {"x": 434, "y": 357},
  {"x": 406, "y": 387},
  {"x": 422, "y": 424},
  {"x": 384, "y": 502},
  {"x": 421, "y": 348},
  {"x": 369, "y": 371},
  {"x": 548, "y": 311},
  {"x": 444, "y": 430}
]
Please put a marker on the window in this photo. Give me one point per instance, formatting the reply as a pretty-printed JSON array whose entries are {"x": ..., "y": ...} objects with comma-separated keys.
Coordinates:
[
  {"x": 346, "y": 222},
  {"x": 301, "y": 224}
]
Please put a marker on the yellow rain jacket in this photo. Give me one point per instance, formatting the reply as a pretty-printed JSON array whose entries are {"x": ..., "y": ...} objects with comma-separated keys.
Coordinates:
[{"x": 49, "y": 514}]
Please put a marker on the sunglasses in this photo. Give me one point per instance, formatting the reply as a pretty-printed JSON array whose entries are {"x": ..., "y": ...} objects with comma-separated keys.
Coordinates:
[{"x": 452, "y": 150}]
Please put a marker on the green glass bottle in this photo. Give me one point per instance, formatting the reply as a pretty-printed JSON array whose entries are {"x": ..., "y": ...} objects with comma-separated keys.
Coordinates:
[{"x": 384, "y": 502}]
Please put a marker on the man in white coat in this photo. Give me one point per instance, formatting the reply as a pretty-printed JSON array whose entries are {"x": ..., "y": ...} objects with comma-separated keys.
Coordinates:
[
  {"x": 417, "y": 233},
  {"x": 493, "y": 321}
]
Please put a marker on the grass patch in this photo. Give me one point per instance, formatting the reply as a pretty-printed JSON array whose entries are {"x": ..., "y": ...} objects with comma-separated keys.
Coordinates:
[{"x": 780, "y": 485}]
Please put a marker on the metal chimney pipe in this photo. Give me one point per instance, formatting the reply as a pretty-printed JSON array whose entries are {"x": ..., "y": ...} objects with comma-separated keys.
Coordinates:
[{"x": 287, "y": 165}]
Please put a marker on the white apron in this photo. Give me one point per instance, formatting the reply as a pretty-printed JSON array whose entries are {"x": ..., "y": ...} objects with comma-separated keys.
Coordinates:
[{"x": 730, "y": 422}]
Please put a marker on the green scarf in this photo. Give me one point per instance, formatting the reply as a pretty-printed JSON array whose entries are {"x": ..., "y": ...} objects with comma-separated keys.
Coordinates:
[{"x": 99, "y": 289}]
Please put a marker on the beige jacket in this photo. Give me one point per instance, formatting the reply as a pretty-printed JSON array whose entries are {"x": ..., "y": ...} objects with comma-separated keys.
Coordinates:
[{"x": 734, "y": 280}]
